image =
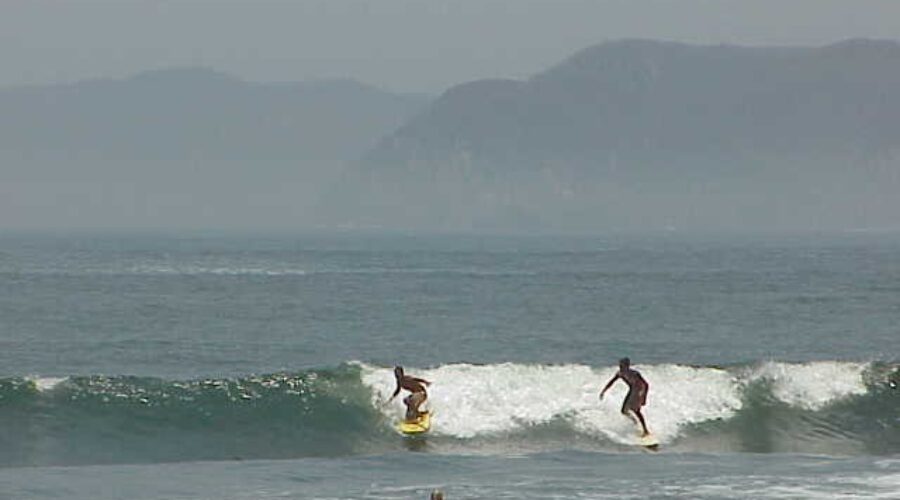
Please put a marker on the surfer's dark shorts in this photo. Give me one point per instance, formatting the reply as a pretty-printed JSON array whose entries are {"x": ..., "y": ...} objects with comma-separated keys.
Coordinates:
[
  {"x": 635, "y": 399},
  {"x": 412, "y": 403},
  {"x": 415, "y": 399}
]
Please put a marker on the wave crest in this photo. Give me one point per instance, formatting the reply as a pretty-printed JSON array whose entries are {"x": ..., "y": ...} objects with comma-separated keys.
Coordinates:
[{"x": 826, "y": 407}]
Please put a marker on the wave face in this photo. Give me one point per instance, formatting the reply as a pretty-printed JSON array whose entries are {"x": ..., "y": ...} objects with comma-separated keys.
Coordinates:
[
  {"x": 80, "y": 420},
  {"x": 837, "y": 408}
]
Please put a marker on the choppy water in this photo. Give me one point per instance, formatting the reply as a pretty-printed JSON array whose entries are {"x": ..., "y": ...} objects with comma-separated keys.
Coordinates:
[{"x": 258, "y": 367}]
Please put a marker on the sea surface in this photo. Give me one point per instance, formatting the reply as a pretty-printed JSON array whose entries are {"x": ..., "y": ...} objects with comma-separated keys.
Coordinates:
[{"x": 217, "y": 366}]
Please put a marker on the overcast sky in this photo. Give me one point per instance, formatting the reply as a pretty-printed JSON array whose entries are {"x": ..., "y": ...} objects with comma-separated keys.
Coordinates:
[{"x": 402, "y": 45}]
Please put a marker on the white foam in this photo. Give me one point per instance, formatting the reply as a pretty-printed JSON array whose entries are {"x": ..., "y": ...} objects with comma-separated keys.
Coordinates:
[
  {"x": 43, "y": 384},
  {"x": 813, "y": 385},
  {"x": 678, "y": 396},
  {"x": 471, "y": 400},
  {"x": 475, "y": 400}
]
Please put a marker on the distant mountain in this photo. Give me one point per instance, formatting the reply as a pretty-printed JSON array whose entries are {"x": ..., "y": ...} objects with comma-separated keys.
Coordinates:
[
  {"x": 198, "y": 115},
  {"x": 641, "y": 133},
  {"x": 183, "y": 148}
]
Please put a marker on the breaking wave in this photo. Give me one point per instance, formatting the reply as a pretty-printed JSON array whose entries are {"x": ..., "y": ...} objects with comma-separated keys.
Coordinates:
[{"x": 828, "y": 407}]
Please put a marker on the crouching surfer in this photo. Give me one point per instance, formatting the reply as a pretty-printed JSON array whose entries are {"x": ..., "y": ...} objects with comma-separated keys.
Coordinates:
[
  {"x": 637, "y": 392},
  {"x": 417, "y": 396}
]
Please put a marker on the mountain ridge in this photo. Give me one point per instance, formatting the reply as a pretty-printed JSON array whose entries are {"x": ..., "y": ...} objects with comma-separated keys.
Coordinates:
[
  {"x": 659, "y": 120},
  {"x": 179, "y": 113}
]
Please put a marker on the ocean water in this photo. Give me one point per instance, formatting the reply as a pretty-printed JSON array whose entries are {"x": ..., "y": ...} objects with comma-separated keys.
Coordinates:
[{"x": 237, "y": 366}]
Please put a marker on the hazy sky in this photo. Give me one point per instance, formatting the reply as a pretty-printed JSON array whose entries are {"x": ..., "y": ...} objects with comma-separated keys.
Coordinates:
[{"x": 403, "y": 45}]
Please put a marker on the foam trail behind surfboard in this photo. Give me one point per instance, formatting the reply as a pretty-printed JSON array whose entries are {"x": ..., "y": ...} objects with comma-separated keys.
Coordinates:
[
  {"x": 484, "y": 400},
  {"x": 679, "y": 396},
  {"x": 480, "y": 400}
]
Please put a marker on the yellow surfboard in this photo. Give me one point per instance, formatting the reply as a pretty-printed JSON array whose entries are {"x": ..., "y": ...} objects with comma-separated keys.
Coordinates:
[{"x": 417, "y": 426}]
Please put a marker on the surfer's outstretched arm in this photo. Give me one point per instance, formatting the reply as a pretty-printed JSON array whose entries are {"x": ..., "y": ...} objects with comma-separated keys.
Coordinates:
[
  {"x": 396, "y": 391},
  {"x": 398, "y": 376},
  {"x": 422, "y": 381},
  {"x": 609, "y": 384}
]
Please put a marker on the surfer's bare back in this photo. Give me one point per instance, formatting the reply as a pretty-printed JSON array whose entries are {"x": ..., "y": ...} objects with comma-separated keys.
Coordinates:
[{"x": 637, "y": 391}]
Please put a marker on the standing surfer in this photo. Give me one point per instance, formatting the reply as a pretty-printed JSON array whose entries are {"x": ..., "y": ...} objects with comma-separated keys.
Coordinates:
[
  {"x": 637, "y": 391},
  {"x": 417, "y": 396}
]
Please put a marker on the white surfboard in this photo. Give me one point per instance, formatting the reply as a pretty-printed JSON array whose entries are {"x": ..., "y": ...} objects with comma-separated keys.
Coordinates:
[{"x": 649, "y": 442}]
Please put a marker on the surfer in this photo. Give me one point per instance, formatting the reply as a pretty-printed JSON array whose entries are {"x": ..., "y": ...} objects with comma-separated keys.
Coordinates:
[
  {"x": 637, "y": 391},
  {"x": 416, "y": 388}
]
